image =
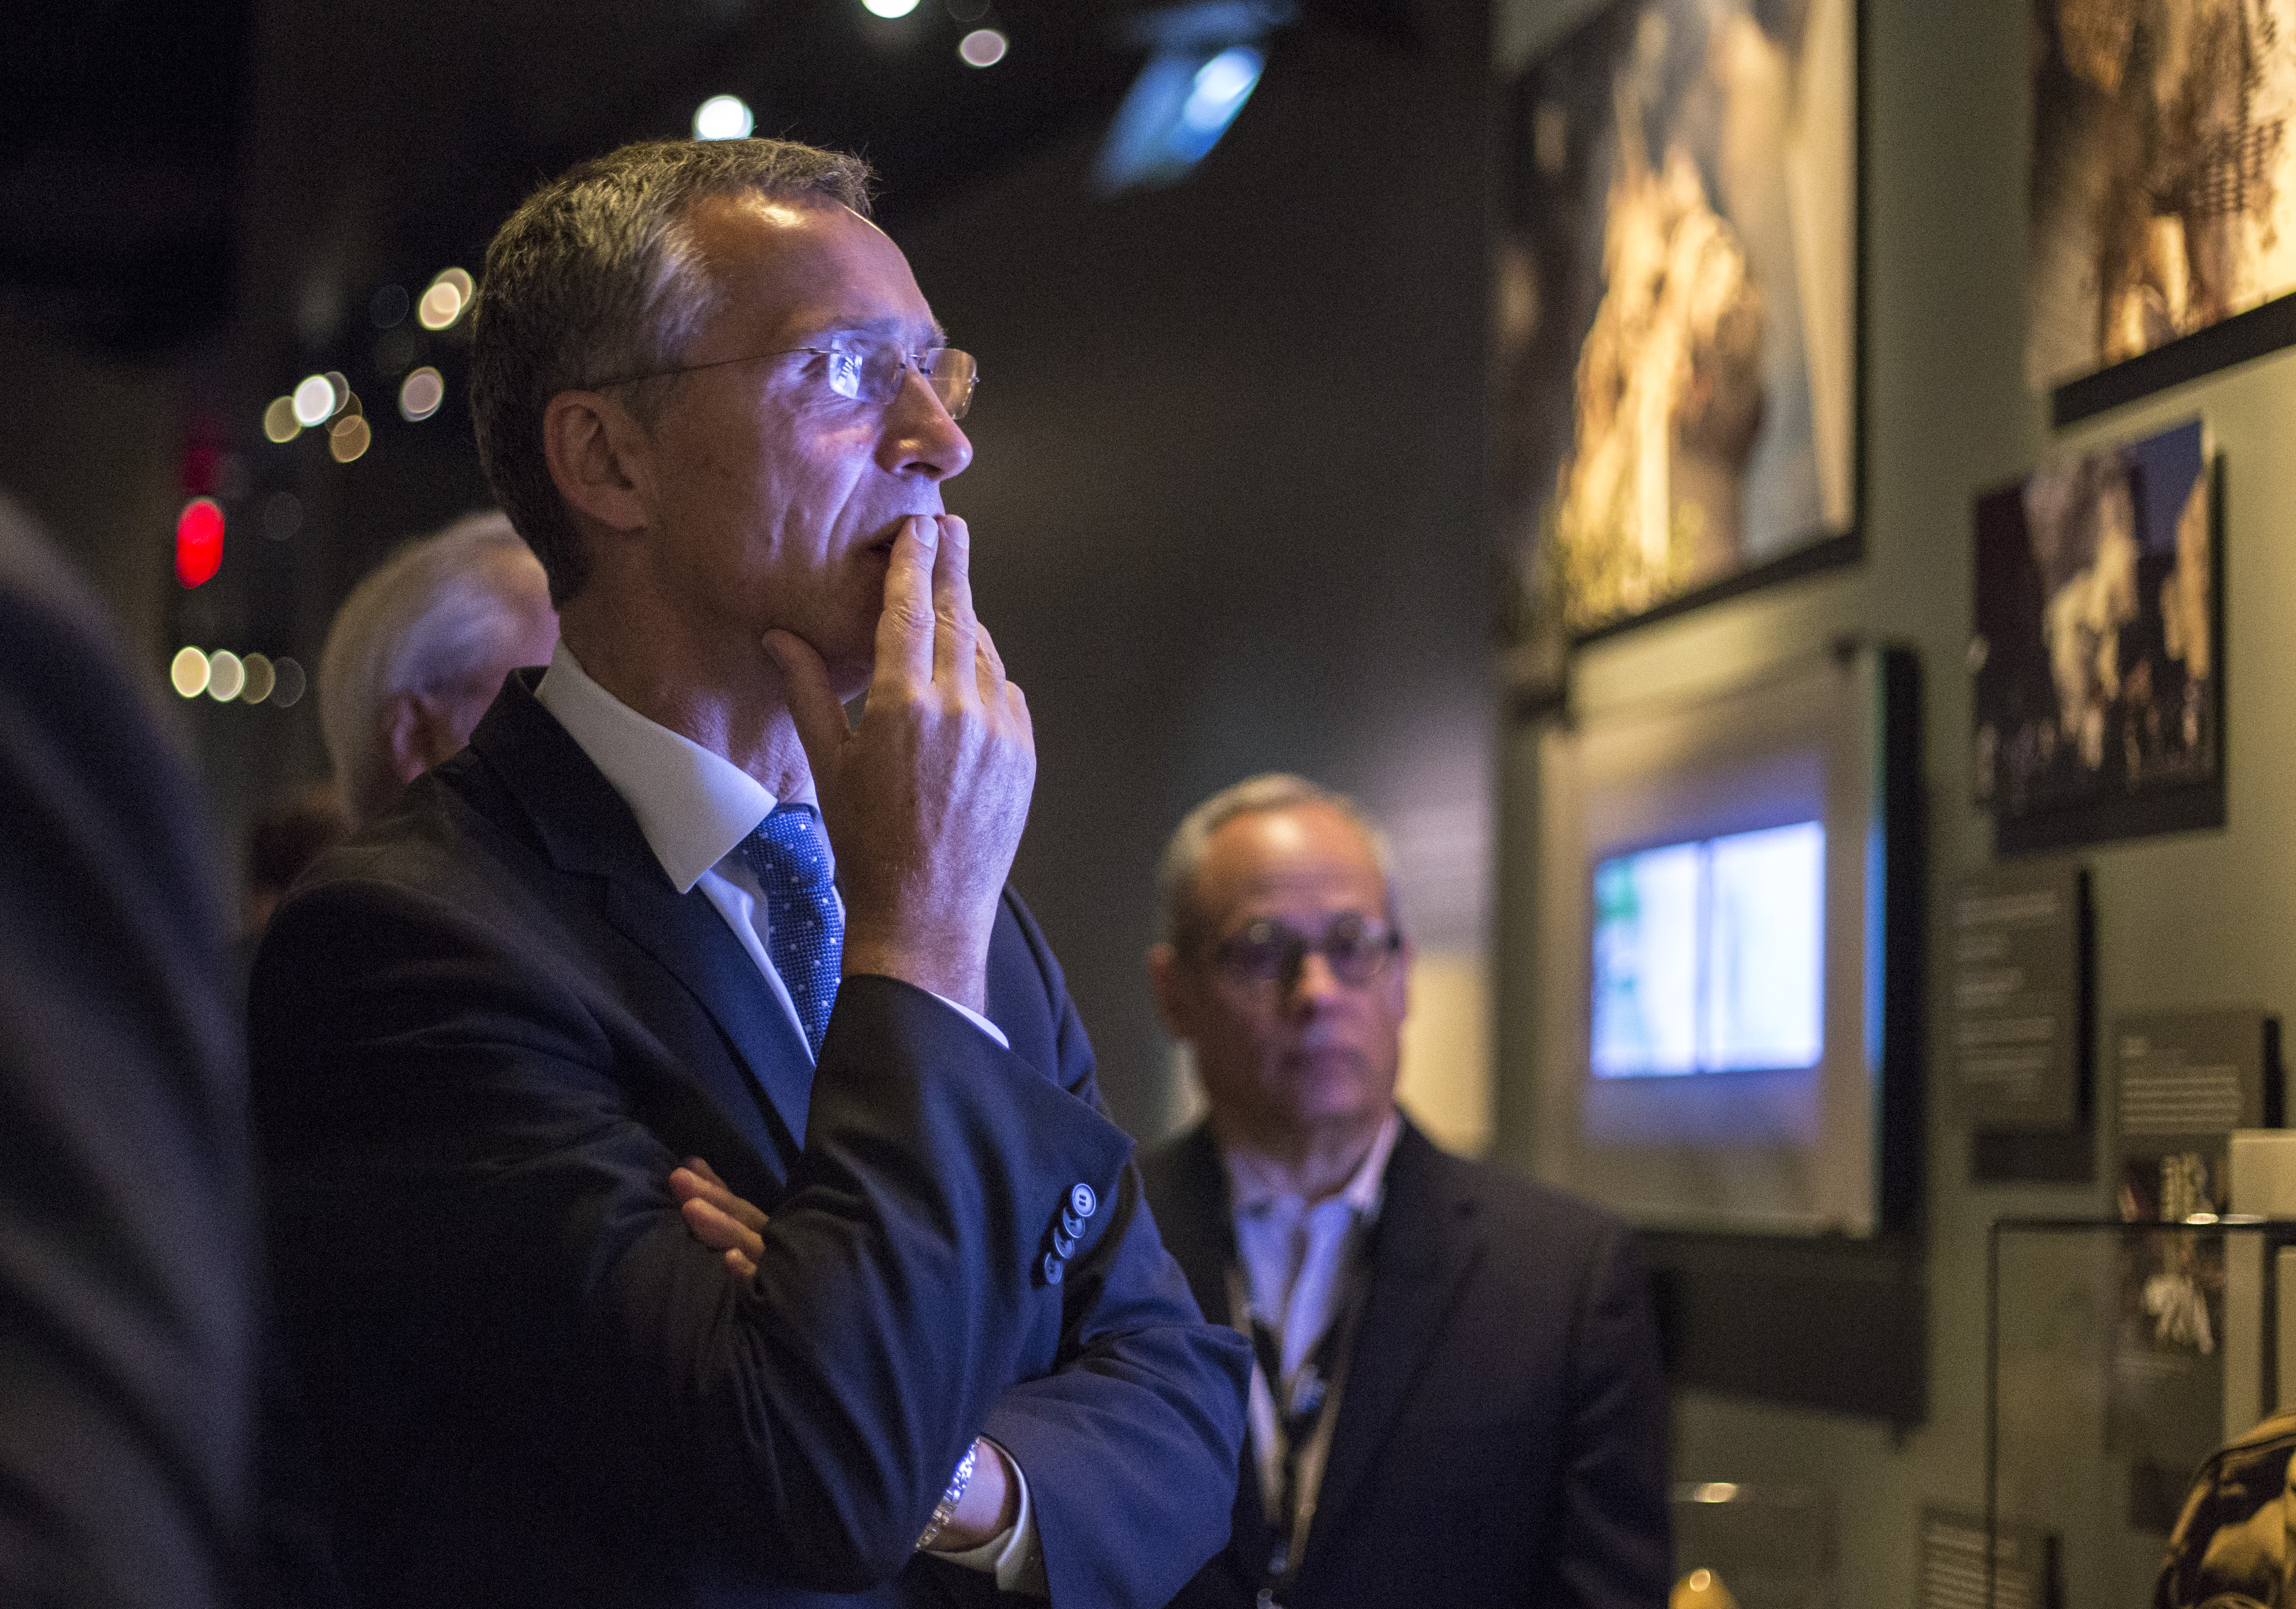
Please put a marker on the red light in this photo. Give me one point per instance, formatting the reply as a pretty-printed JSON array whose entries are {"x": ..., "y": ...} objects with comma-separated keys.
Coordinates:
[{"x": 199, "y": 541}]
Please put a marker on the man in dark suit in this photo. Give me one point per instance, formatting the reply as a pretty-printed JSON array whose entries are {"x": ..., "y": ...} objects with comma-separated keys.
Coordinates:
[
  {"x": 955, "y": 1360},
  {"x": 1458, "y": 1396}
]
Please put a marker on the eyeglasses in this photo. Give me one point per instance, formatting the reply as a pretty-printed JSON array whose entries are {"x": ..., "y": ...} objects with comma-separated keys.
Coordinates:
[
  {"x": 1357, "y": 948},
  {"x": 861, "y": 368}
]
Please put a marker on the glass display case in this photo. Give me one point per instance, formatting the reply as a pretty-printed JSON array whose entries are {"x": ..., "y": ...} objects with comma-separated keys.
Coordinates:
[
  {"x": 1768, "y": 1546},
  {"x": 2121, "y": 1356}
]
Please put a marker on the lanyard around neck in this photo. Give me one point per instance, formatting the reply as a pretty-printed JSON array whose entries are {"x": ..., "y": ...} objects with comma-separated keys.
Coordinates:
[{"x": 1302, "y": 1461}]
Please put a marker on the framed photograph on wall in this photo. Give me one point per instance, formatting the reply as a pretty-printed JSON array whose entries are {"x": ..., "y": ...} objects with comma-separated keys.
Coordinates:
[
  {"x": 2098, "y": 646},
  {"x": 2163, "y": 194},
  {"x": 1677, "y": 317}
]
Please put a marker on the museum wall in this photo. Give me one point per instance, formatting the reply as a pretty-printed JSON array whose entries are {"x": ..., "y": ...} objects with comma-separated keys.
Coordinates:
[{"x": 2191, "y": 919}]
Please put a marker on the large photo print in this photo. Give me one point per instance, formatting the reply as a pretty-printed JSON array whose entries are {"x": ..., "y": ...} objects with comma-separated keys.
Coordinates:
[
  {"x": 1677, "y": 306},
  {"x": 2098, "y": 707},
  {"x": 2163, "y": 185}
]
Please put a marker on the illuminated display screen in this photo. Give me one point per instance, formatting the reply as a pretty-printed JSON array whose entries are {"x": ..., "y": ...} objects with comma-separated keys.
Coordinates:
[{"x": 1709, "y": 955}]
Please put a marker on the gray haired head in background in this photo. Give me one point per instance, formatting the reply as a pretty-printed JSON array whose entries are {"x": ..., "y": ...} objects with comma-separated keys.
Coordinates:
[
  {"x": 1183, "y": 854},
  {"x": 419, "y": 650}
]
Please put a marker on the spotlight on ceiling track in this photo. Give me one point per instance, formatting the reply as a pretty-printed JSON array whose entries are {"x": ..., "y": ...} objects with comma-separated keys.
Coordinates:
[
  {"x": 723, "y": 118},
  {"x": 1207, "y": 59}
]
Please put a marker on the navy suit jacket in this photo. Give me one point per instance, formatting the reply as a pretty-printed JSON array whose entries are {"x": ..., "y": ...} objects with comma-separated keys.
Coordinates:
[
  {"x": 1501, "y": 1430},
  {"x": 484, "y": 1034}
]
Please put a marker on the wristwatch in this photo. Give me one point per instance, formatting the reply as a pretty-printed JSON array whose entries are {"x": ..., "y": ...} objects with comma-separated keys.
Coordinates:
[{"x": 945, "y": 1510}]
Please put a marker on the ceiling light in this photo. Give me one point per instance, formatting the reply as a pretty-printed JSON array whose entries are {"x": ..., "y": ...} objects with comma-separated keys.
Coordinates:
[
  {"x": 723, "y": 118},
  {"x": 889, "y": 8}
]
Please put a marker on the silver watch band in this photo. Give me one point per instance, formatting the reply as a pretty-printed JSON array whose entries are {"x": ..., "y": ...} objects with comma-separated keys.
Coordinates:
[{"x": 945, "y": 1510}]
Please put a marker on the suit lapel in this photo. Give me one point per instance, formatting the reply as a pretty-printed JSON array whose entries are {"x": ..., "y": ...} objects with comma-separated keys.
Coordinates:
[
  {"x": 1427, "y": 1240},
  {"x": 1198, "y": 1231},
  {"x": 1194, "y": 1222},
  {"x": 585, "y": 827},
  {"x": 687, "y": 936}
]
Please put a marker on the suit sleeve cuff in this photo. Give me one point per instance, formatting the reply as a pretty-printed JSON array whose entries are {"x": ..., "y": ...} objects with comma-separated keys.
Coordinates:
[
  {"x": 976, "y": 1019},
  {"x": 1012, "y": 1556}
]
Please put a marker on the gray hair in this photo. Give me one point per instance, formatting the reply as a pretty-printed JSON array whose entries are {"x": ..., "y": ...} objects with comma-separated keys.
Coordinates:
[
  {"x": 1191, "y": 840},
  {"x": 596, "y": 277},
  {"x": 428, "y": 617}
]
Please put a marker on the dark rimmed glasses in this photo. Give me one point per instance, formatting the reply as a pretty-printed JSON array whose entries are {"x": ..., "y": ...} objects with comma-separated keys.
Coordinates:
[
  {"x": 862, "y": 368},
  {"x": 1357, "y": 948}
]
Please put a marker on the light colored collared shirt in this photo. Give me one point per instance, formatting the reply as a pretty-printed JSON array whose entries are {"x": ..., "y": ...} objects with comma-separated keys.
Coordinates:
[
  {"x": 1295, "y": 1261},
  {"x": 694, "y": 809}
]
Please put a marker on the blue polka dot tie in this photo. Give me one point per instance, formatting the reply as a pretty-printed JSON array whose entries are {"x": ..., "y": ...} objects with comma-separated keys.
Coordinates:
[{"x": 805, "y": 927}]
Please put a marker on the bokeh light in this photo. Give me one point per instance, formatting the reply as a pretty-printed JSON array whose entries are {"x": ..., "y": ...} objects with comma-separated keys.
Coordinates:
[
  {"x": 388, "y": 306},
  {"x": 443, "y": 303},
  {"x": 282, "y": 516},
  {"x": 723, "y": 118},
  {"x": 315, "y": 400},
  {"x": 420, "y": 393},
  {"x": 226, "y": 676},
  {"x": 289, "y": 690},
  {"x": 188, "y": 671},
  {"x": 889, "y": 8},
  {"x": 261, "y": 678},
  {"x": 279, "y": 421},
  {"x": 349, "y": 437},
  {"x": 199, "y": 541},
  {"x": 982, "y": 47}
]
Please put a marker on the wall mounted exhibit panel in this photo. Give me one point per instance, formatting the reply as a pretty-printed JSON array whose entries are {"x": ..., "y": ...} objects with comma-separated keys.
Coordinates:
[
  {"x": 1726, "y": 954},
  {"x": 1677, "y": 346},
  {"x": 2162, "y": 225}
]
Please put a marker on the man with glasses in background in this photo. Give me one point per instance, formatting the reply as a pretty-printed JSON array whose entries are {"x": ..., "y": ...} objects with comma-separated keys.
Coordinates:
[
  {"x": 669, "y": 938},
  {"x": 1457, "y": 1395}
]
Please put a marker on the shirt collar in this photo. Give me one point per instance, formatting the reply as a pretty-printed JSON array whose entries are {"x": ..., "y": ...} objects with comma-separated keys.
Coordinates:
[
  {"x": 692, "y": 806},
  {"x": 1252, "y": 1185}
]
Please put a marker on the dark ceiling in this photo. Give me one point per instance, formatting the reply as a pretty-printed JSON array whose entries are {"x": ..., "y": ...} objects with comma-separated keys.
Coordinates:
[{"x": 166, "y": 169}]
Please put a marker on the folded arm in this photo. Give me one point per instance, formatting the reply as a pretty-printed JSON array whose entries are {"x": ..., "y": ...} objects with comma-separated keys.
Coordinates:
[{"x": 455, "y": 1113}]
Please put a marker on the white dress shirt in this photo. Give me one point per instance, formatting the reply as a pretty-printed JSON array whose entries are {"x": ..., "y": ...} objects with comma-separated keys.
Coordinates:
[
  {"x": 694, "y": 809},
  {"x": 1295, "y": 1261}
]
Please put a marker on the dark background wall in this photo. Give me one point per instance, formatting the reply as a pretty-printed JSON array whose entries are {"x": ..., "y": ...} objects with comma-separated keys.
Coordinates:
[{"x": 1227, "y": 496}]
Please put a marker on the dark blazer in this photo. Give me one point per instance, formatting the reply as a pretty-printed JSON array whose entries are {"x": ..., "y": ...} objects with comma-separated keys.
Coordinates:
[
  {"x": 482, "y": 1036},
  {"x": 1502, "y": 1432}
]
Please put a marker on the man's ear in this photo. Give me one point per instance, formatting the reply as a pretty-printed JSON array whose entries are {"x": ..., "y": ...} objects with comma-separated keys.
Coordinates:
[
  {"x": 599, "y": 457},
  {"x": 1165, "y": 982},
  {"x": 418, "y": 733}
]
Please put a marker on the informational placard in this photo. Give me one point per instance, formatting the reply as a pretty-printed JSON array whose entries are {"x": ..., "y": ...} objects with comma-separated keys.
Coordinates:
[
  {"x": 2182, "y": 1081},
  {"x": 2019, "y": 1033}
]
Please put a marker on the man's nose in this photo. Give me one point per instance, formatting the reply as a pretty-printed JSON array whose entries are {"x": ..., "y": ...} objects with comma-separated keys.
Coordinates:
[
  {"x": 920, "y": 438},
  {"x": 1313, "y": 984}
]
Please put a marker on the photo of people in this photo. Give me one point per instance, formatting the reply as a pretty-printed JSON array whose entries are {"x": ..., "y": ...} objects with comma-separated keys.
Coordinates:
[
  {"x": 2094, "y": 653},
  {"x": 2163, "y": 194},
  {"x": 1676, "y": 323}
]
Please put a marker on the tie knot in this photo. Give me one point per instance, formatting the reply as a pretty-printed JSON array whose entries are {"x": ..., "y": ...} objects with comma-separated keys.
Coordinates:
[{"x": 789, "y": 848}]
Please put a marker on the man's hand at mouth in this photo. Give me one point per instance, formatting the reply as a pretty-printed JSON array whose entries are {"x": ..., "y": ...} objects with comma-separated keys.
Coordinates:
[{"x": 925, "y": 799}]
